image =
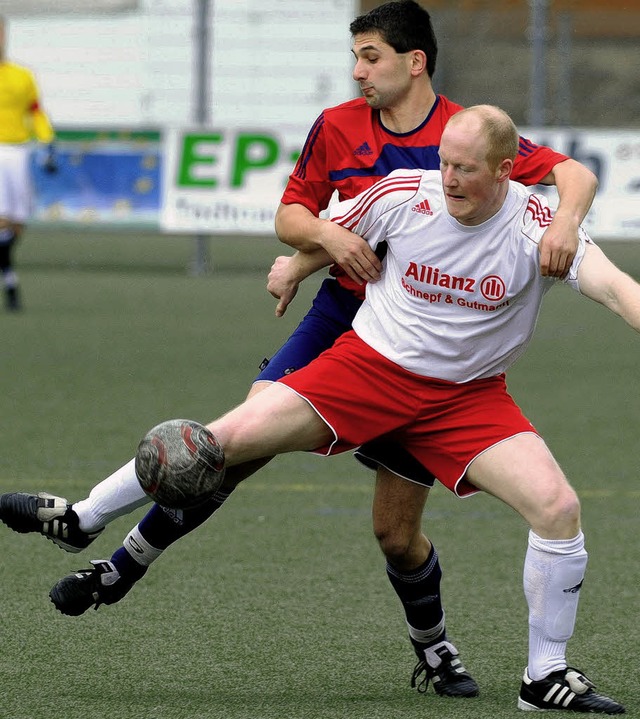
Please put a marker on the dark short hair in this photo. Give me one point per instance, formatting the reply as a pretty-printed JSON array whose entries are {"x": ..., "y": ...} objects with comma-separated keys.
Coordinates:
[{"x": 404, "y": 25}]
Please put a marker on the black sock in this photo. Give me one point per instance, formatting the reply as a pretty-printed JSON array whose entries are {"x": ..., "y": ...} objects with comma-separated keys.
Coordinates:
[
  {"x": 162, "y": 527},
  {"x": 419, "y": 592},
  {"x": 127, "y": 567}
]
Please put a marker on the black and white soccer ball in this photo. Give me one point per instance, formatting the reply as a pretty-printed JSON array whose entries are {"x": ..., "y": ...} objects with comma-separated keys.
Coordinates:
[{"x": 179, "y": 464}]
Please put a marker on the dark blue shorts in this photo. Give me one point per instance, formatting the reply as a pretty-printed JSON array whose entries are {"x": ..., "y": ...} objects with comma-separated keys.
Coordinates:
[{"x": 330, "y": 316}]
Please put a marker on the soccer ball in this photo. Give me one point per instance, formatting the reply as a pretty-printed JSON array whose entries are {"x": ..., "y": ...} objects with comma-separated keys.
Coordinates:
[{"x": 179, "y": 464}]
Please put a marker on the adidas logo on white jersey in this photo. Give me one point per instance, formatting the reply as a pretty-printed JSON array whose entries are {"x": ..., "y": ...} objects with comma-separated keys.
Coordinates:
[{"x": 423, "y": 208}]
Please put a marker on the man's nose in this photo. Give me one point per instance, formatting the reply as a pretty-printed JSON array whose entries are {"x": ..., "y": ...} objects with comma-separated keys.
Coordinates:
[{"x": 358, "y": 71}]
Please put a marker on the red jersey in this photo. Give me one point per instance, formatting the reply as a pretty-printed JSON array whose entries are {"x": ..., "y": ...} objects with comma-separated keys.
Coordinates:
[{"x": 348, "y": 150}]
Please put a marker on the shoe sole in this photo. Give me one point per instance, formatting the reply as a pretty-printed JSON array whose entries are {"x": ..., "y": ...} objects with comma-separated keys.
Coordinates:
[
  {"x": 63, "y": 545},
  {"x": 526, "y": 707},
  {"x": 61, "y": 602}
]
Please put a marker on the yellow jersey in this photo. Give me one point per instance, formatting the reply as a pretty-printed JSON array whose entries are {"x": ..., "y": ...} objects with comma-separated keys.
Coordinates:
[{"x": 21, "y": 117}]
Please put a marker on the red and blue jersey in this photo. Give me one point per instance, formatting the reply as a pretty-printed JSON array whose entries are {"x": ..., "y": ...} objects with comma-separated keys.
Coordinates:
[{"x": 348, "y": 149}]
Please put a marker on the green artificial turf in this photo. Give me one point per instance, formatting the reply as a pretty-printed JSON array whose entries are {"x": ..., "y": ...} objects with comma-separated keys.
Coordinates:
[{"x": 278, "y": 607}]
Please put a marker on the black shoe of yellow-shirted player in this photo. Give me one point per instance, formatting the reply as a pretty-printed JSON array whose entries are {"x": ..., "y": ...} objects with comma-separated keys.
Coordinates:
[
  {"x": 12, "y": 299},
  {"x": 568, "y": 690},
  {"x": 45, "y": 514}
]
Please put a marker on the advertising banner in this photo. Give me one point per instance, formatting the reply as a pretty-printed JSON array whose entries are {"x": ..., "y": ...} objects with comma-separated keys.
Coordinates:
[
  {"x": 614, "y": 157},
  {"x": 104, "y": 177},
  {"x": 226, "y": 181},
  {"x": 231, "y": 181}
]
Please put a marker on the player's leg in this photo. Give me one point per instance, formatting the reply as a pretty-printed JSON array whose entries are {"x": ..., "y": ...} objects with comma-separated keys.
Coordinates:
[
  {"x": 413, "y": 568},
  {"x": 521, "y": 472},
  {"x": 74, "y": 526},
  {"x": 15, "y": 209},
  {"x": 8, "y": 238}
]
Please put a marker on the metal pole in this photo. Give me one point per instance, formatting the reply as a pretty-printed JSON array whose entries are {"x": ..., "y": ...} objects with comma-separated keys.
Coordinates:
[
  {"x": 565, "y": 26},
  {"x": 538, "y": 40},
  {"x": 201, "y": 105},
  {"x": 201, "y": 263}
]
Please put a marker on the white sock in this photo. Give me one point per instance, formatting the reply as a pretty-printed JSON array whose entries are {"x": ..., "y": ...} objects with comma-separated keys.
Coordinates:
[
  {"x": 10, "y": 279},
  {"x": 426, "y": 636},
  {"x": 116, "y": 495},
  {"x": 139, "y": 548},
  {"x": 553, "y": 574}
]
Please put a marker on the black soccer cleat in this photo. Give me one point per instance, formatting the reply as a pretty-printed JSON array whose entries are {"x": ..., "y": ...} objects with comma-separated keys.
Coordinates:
[
  {"x": 12, "y": 299},
  {"x": 48, "y": 515},
  {"x": 568, "y": 690},
  {"x": 442, "y": 666},
  {"x": 86, "y": 588}
]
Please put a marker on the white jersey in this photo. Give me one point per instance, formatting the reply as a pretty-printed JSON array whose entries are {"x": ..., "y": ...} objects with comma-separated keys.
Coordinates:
[{"x": 454, "y": 302}]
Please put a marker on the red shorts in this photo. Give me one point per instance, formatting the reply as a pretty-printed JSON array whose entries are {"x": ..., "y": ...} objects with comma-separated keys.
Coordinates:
[{"x": 361, "y": 396}]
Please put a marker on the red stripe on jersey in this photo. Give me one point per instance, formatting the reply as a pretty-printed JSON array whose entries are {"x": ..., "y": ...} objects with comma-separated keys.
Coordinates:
[
  {"x": 380, "y": 189},
  {"x": 539, "y": 213},
  {"x": 375, "y": 193}
]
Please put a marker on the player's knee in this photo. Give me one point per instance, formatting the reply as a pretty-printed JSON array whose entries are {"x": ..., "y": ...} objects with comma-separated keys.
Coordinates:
[
  {"x": 257, "y": 387},
  {"x": 395, "y": 542},
  {"x": 239, "y": 472},
  {"x": 560, "y": 514}
]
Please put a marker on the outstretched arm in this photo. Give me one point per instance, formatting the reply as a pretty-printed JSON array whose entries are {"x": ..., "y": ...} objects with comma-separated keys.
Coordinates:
[
  {"x": 576, "y": 186},
  {"x": 299, "y": 228},
  {"x": 602, "y": 281}
]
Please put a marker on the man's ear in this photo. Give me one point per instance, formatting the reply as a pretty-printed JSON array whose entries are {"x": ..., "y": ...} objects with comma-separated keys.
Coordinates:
[
  {"x": 504, "y": 170},
  {"x": 418, "y": 62}
]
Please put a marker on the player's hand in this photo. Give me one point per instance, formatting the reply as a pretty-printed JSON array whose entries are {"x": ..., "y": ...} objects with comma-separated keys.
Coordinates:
[
  {"x": 352, "y": 253},
  {"x": 282, "y": 284},
  {"x": 50, "y": 164},
  {"x": 558, "y": 247}
]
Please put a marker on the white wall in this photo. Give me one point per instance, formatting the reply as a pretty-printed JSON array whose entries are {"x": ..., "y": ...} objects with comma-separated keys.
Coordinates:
[{"x": 273, "y": 61}]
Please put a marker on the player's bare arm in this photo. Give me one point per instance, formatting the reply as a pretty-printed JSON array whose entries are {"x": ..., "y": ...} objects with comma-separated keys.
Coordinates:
[
  {"x": 602, "y": 281},
  {"x": 287, "y": 272},
  {"x": 299, "y": 228},
  {"x": 576, "y": 186}
]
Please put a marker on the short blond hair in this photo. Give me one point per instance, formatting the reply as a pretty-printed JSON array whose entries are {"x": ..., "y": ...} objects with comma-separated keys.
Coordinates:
[{"x": 498, "y": 128}]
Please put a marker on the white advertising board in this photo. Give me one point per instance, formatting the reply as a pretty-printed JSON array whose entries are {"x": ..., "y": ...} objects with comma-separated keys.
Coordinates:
[
  {"x": 226, "y": 181},
  {"x": 614, "y": 156}
]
